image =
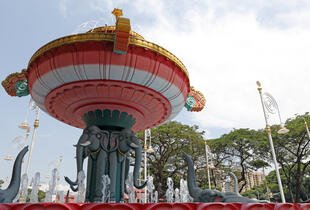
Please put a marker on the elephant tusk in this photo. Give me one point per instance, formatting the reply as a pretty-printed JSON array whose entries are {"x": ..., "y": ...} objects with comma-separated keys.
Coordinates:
[
  {"x": 86, "y": 143},
  {"x": 133, "y": 145}
]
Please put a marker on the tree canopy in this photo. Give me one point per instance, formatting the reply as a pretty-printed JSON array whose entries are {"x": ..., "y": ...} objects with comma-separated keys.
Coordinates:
[
  {"x": 169, "y": 141},
  {"x": 240, "y": 151}
]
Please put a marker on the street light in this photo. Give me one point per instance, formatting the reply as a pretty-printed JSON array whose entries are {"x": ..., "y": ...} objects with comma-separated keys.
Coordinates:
[
  {"x": 207, "y": 148},
  {"x": 24, "y": 125},
  {"x": 8, "y": 158},
  {"x": 271, "y": 106},
  {"x": 35, "y": 127}
]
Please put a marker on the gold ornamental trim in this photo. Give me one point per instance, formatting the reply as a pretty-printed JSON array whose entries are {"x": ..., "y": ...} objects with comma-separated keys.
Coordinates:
[
  {"x": 36, "y": 123},
  {"x": 106, "y": 29},
  {"x": 11, "y": 79},
  {"x": 99, "y": 36},
  {"x": 95, "y": 152},
  {"x": 268, "y": 130}
]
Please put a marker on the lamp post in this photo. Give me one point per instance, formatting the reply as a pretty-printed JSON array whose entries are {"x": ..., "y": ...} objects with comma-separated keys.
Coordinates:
[
  {"x": 270, "y": 104},
  {"x": 35, "y": 127},
  {"x": 24, "y": 125},
  {"x": 207, "y": 158}
]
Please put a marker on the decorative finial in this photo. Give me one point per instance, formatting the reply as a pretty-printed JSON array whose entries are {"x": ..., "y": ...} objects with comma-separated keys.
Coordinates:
[
  {"x": 117, "y": 12},
  {"x": 259, "y": 86}
]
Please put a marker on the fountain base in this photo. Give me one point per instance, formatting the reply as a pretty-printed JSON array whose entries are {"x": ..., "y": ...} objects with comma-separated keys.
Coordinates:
[{"x": 153, "y": 206}]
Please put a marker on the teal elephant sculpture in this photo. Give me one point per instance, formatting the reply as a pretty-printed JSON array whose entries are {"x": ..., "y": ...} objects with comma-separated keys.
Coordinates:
[
  {"x": 7, "y": 195},
  {"x": 106, "y": 150}
]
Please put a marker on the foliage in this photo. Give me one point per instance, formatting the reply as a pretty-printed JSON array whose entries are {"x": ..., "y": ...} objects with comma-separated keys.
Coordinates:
[
  {"x": 41, "y": 195},
  {"x": 293, "y": 151},
  {"x": 258, "y": 164},
  {"x": 241, "y": 151},
  {"x": 237, "y": 150},
  {"x": 258, "y": 192},
  {"x": 246, "y": 150},
  {"x": 169, "y": 141}
]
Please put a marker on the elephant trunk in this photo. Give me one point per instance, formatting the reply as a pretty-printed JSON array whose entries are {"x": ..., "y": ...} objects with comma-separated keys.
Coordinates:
[
  {"x": 13, "y": 187},
  {"x": 79, "y": 167},
  {"x": 79, "y": 159},
  {"x": 236, "y": 188},
  {"x": 193, "y": 189},
  {"x": 138, "y": 159}
]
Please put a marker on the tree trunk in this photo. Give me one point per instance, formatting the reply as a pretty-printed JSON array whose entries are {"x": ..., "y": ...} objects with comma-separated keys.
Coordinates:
[{"x": 298, "y": 182}]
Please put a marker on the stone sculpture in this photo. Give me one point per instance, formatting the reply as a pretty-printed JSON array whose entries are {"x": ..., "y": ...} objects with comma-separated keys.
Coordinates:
[
  {"x": 107, "y": 150},
  {"x": 208, "y": 195},
  {"x": 7, "y": 195}
]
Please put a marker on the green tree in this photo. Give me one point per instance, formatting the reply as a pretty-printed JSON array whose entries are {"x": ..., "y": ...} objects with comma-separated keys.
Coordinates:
[
  {"x": 293, "y": 151},
  {"x": 258, "y": 164},
  {"x": 258, "y": 192},
  {"x": 239, "y": 148},
  {"x": 169, "y": 141}
]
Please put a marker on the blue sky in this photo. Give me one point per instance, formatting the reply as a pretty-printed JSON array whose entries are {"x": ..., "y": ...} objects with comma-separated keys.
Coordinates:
[{"x": 226, "y": 46}]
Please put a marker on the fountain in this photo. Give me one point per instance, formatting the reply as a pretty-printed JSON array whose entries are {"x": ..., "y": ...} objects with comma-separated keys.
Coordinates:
[
  {"x": 51, "y": 192},
  {"x": 81, "y": 188},
  {"x": 110, "y": 82},
  {"x": 23, "y": 193},
  {"x": 155, "y": 197},
  {"x": 132, "y": 198},
  {"x": 150, "y": 188},
  {"x": 105, "y": 189},
  {"x": 184, "y": 194},
  {"x": 122, "y": 94},
  {"x": 170, "y": 191},
  {"x": 177, "y": 196},
  {"x": 35, "y": 188}
]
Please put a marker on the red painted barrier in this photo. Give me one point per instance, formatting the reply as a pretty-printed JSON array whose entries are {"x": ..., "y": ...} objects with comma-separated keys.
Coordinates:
[{"x": 156, "y": 206}]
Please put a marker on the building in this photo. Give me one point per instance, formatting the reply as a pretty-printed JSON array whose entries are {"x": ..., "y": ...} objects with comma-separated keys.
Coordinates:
[{"x": 226, "y": 183}]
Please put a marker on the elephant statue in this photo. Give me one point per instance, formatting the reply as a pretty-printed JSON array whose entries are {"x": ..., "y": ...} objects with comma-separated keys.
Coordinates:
[
  {"x": 89, "y": 145},
  {"x": 7, "y": 195},
  {"x": 107, "y": 155},
  {"x": 206, "y": 196},
  {"x": 127, "y": 141}
]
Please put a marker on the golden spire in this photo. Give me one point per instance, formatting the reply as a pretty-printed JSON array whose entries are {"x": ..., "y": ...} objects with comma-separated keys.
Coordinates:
[{"x": 117, "y": 12}]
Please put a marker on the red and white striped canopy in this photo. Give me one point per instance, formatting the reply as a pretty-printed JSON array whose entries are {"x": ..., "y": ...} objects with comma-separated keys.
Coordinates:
[{"x": 78, "y": 74}]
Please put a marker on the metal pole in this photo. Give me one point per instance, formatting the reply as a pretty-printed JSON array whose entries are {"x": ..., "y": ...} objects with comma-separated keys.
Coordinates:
[
  {"x": 145, "y": 165},
  {"x": 35, "y": 126},
  {"x": 207, "y": 158},
  {"x": 271, "y": 146},
  {"x": 307, "y": 129},
  {"x": 266, "y": 184}
]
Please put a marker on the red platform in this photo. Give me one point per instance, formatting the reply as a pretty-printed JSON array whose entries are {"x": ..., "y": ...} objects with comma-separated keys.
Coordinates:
[{"x": 161, "y": 206}]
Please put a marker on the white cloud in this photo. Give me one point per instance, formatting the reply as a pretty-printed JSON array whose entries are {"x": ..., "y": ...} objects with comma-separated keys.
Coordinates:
[
  {"x": 226, "y": 55},
  {"x": 227, "y": 46}
]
